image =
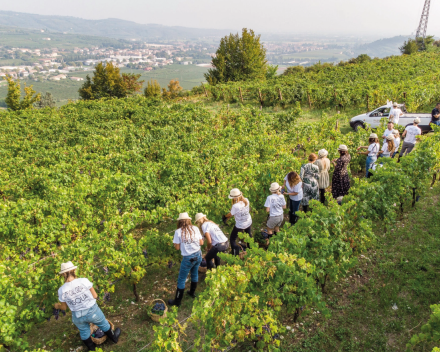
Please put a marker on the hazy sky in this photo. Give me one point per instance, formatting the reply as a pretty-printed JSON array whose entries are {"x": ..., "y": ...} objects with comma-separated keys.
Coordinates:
[{"x": 368, "y": 17}]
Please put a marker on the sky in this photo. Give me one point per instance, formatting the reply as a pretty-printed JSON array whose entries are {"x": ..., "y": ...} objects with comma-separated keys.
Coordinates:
[{"x": 382, "y": 18}]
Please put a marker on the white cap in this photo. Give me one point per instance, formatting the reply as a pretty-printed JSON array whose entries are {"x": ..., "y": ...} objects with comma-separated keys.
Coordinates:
[
  {"x": 235, "y": 192},
  {"x": 416, "y": 120}
]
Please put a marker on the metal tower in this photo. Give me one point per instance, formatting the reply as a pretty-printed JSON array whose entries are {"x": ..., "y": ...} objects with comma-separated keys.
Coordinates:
[{"x": 421, "y": 30}]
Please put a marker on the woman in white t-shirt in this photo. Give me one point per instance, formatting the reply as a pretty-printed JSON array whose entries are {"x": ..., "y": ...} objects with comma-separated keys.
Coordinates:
[
  {"x": 294, "y": 189},
  {"x": 188, "y": 240},
  {"x": 243, "y": 221},
  {"x": 79, "y": 295},
  {"x": 388, "y": 147},
  {"x": 373, "y": 151},
  {"x": 216, "y": 240},
  {"x": 275, "y": 204}
]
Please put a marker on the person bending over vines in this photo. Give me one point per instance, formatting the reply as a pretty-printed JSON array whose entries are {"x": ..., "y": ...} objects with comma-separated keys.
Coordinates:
[
  {"x": 216, "y": 240},
  {"x": 79, "y": 295},
  {"x": 241, "y": 212},
  {"x": 188, "y": 240},
  {"x": 294, "y": 189}
]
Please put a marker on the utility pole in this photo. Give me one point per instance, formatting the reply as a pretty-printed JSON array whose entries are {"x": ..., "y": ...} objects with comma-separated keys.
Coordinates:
[{"x": 423, "y": 25}]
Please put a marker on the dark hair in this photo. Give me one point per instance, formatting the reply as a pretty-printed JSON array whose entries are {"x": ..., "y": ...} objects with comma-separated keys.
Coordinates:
[
  {"x": 373, "y": 140},
  {"x": 343, "y": 152},
  {"x": 390, "y": 122}
]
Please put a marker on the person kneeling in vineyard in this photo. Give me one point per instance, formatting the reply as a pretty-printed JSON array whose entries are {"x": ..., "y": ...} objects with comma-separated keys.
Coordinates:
[
  {"x": 79, "y": 295},
  {"x": 243, "y": 221},
  {"x": 275, "y": 204},
  {"x": 217, "y": 241},
  {"x": 188, "y": 240}
]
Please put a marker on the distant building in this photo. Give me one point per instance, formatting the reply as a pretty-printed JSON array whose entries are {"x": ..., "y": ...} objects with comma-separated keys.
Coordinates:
[
  {"x": 186, "y": 63},
  {"x": 77, "y": 79},
  {"x": 148, "y": 69},
  {"x": 46, "y": 38}
]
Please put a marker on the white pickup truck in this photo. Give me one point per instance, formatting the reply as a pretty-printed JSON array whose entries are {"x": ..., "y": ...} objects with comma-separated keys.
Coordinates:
[{"x": 373, "y": 118}]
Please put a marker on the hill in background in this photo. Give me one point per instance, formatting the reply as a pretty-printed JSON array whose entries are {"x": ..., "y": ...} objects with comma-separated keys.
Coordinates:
[
  {"x": 382, "y": 47},
  {"x": 110, "y": 27}
]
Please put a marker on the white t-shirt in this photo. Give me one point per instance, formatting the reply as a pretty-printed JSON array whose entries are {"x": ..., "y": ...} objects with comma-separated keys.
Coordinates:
[
  {"x": 373, "y": 149},
  {"x": 397, "y": 142},
  {"x": 191, "y": 244},
  {"x": 411, "y": 133},
  {"x": 275, "y": 202},
  {"x": 387, "y": 133},
  {"x": 242, "y": 215},
  {"x": 296, "y": 189},
  {"x": 217, "y": 235},
  {"x": 396, "y": 115},
  {"x": 76, "y": 294},
  {"x": 385, "y": 153}
]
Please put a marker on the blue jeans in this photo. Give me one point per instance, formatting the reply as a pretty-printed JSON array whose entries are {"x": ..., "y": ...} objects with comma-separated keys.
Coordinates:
[
  {"x": 95, "y": 316},
  {"x": 436, "y": 122},
  {"x": 294, "y": 208},
  {"x": 369, "y": 164},
  {"x": 189, "y": 263}
]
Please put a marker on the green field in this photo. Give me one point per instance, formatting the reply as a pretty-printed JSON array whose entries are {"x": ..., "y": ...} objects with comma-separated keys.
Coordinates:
[
  {"x": 317, "y": 55},
  {"x": 188, "y": 76}
]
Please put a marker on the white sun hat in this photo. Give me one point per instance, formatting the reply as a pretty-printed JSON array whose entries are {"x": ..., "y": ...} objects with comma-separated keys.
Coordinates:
[
  {"x": 373, "y": 135},
  {"x": 200, "y": 216},
  {"x": 235, "y": 192},
  {"x": 343, "y": 147},
  {"x": 274, "y": 187},
  {"x": 416, "y": 120},
  {"x": 323, "y": 153},
  {"x": 183, "y": 216},
  {"x": 65, "y": 267},
  {"x": 395, "y": 104},
  {"x": 390, "y": 137},
  {"x": 395, "y": 132}
]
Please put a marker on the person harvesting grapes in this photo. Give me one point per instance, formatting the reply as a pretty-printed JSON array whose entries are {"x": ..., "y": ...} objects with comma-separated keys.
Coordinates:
[
  {"x": 241, "y": 212},
  {"x": 323, "y": 164},
  {"x": 396, "y": 135},
  {"x": 373, "y": 151},
  {"x": 293, "y": 185},
  {"x": 216, "y": 240},
  {"x": 410, "y": 134},
  {"x": 388, "y": 147},
  {"x": 341, "y": 181},
  {"x": 274, "y": 205},
  {"x": 188, "y": 240},
  {"x": 309, "y": 175},
  {"x": 79, "y": 295}
]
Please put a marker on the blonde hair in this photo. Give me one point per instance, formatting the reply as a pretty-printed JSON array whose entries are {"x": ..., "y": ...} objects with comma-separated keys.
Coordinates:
[
  {"x": 240, "y": 199},
  {"x": 391, "y": 146},
  {"x": 201, "y": 222},
  {"x": 67, "y": 274}
]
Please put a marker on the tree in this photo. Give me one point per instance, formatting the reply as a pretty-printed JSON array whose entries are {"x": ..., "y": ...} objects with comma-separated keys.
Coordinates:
[
  {"x": 238, "y": 59},
  {"x": 152, "y": 89},
  {"x": 271, "y": 71},
  {"x": 46, "y": 101},
  {"x": 14, "y": 95},
  {"x": 174, "y": 88},
  {"x": 107, "y": 82},
  {"x": 412, "y": 46},
  {"x": 360, "y": 59}
]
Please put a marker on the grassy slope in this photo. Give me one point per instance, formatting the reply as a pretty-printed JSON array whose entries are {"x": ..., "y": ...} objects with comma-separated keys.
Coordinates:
[{"x": 402, "y": 268}]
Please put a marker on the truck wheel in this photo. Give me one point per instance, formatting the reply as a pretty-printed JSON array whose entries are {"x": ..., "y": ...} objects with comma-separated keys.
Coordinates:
[{"x": 357, "y": 126}]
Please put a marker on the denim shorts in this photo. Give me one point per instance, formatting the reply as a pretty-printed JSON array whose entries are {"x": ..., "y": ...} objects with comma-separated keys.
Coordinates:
[{"x": 95, "y": 316}]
